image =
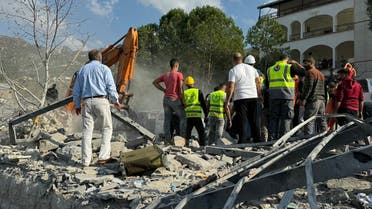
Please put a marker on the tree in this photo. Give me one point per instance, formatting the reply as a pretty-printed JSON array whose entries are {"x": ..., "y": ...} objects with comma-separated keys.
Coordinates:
[
  {"x": 172, "y": 32},
  {"x": 204, "y": 40},
  {"x": 149, "y": 43},
  {"x": 45, "y": 24},
  {"x": 214, "y": 38},
  {"x": 267, "y": 36}
]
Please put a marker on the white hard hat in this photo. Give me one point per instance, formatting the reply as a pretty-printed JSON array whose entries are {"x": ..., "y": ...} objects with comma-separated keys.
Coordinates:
[{"x": 250, "y": 60}]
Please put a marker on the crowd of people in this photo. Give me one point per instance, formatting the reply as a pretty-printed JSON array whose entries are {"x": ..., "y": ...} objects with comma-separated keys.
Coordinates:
[
  {"x": 252, "y": 106},
  {"x": 249, "y": 103}
]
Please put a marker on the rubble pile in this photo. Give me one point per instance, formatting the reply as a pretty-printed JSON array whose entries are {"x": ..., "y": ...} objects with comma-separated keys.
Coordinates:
[
  {"x": 53, "y": 166},
  {"x": 44, "y": 170},
  {"x": 52, "y": 172}
]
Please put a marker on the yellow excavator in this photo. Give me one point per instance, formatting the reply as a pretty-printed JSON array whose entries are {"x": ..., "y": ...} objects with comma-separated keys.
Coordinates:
[{"x": 125, "y": 56}]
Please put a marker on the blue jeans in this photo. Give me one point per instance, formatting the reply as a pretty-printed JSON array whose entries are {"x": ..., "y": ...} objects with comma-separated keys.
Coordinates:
[
  {"x": 173, "y": 106},
  {"x": 216, "y": 126}
]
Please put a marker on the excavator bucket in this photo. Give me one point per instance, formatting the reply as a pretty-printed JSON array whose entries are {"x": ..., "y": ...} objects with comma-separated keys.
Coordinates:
[{"x": 126, "y": 63}]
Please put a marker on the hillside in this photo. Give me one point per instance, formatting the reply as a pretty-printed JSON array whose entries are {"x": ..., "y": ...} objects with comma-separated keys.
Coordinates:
[{"x": 18, "y": 57}]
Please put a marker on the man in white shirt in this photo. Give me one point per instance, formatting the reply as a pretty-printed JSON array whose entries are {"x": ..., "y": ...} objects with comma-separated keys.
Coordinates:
[{"x": 244, "y": 83}]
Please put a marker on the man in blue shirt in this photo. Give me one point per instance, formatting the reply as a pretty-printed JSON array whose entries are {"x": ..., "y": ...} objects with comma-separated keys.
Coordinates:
[{"x": 95, "y": 87}]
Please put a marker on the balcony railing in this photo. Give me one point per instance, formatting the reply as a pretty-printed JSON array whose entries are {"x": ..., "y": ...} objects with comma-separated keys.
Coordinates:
[
  {"x": 295, "y": 37},
  {"x": 318, "y": 32},
  {"x": 345, "y": 27},
  {"x": 271, "y": 15},
  {"x": 303, "y": 6}
]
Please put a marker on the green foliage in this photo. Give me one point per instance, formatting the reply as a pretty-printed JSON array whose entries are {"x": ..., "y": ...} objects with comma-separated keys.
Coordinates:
[
  {"x": 204, "y": 41},
  {"x": 266, "y": 34},
  {"x": 149, "y": 43},
  {"x": 269, "y": 59},
  {"x": 215, "y": 37},
  {"x": 172, "y": 32}
]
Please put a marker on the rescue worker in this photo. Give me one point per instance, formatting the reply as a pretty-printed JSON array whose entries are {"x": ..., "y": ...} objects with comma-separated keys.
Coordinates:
[
  {"x": 258, "y": 116},
  {"x": 216, "y": 114},
  {"x": 281, "y": 87},
  {"x": 194, "y": 106}
]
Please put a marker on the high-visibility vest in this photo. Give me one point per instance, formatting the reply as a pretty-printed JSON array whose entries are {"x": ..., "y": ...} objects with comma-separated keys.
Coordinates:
[
  {"x": 280, "y": 79},
  {"x": 216, "y": 107},
  {"x": 193, "y": 108}
]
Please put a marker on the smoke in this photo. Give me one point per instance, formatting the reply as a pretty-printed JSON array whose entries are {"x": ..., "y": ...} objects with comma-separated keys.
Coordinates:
[
  {"x": 146, "y": 97},
  {"x": 149, "y": 99}
]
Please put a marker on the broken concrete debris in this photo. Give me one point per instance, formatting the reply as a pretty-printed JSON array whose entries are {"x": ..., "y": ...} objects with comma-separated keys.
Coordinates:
[
  {"x": 179, "y": 141},
  {"x": 56, "y": 168},
  {"x": 53, "y": 174},
  {"x": 364, "y": 199},
  {"x": 194, "y": 161}
]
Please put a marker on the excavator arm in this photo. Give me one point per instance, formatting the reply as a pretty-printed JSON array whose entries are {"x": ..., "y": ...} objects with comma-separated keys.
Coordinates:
[{"x": 125, "y": 56}]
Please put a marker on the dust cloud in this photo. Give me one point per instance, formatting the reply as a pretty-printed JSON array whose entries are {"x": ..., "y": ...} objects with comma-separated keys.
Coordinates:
[{"x": 146, "y": 97}]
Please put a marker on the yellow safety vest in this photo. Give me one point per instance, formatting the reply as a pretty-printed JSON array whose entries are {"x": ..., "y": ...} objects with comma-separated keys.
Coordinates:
[
  {"x": 193, "y": 108},
  {"x": 216, "y": 102},
  {"x": 281, "y": 84}
]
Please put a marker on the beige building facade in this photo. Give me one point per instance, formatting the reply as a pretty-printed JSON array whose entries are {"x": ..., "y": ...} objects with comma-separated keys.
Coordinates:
[{"x": 332, "y": 31}]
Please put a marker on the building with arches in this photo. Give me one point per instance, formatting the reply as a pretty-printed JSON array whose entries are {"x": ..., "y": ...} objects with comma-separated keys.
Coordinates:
[{"x": 332, "y": 31}]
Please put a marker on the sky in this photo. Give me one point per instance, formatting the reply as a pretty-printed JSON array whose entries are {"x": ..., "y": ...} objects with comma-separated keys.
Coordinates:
[{"x": 107, "y": 20}]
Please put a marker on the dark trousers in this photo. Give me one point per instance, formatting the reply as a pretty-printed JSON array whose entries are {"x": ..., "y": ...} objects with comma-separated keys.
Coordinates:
[
  {"x": 175, "y": 125},
  {"x": 246, "y": 110},
  {"x": 259, "y": 122},
  {"x": 343, "y": 121},
  {"x": 198, "y": 124},
  {"x": 296, "y": 118},
  {"x": 280, "y": 119}
]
